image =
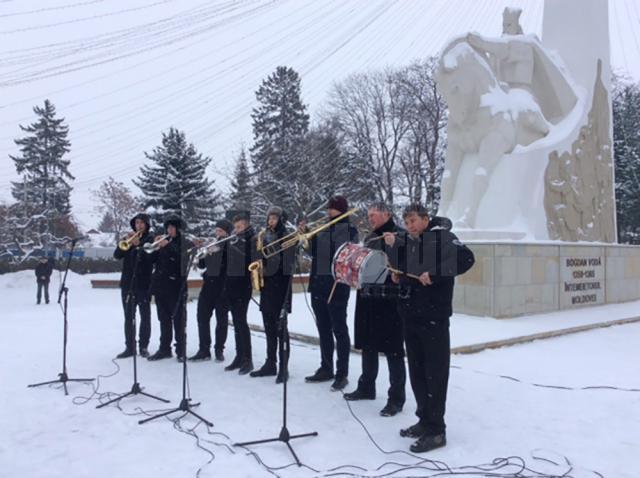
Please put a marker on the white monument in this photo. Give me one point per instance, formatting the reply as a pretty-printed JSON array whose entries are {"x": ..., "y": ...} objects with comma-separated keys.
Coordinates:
[
  {"x": 529, "y": 143},
  {"x": 528, "y": 178}
]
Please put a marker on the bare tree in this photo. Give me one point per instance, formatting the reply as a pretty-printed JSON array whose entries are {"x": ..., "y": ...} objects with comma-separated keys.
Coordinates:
[
  {"x": 422, "y": 157},
  {"x": 117, "y": 201},
  {"x": 373, "y": 118}
]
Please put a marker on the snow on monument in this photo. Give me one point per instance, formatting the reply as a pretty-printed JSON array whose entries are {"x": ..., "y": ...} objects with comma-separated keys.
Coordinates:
[{"x": 529, "y": 132}]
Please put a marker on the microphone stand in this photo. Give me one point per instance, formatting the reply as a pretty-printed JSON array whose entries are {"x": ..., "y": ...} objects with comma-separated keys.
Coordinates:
[
  {"x": 63, "y": 377},
  {"x": 181, "y": 307},
  {"x": 284, "y": 436},
  {"x": 130, "y": 304}
]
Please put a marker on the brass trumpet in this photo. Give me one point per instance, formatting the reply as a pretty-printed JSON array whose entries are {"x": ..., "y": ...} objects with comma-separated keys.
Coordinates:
[
  {"x": 292, "y": 239},
  {"x": 150, "y": 247},
  {"x": 125, "y": 244}
]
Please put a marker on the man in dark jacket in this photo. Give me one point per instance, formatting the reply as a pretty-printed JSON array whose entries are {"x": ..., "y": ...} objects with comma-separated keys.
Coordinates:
[
  {"x": 168, "y": 286},
  {"x": 135, "y": 286},
  {"x": 43, "y": 276},
  {"x": 240, "y": 254},
  {"x": 378, "y": 327},
  {"x": 276, "y": 292},
  {"x": 212, "y": 297},
  {"x": 331, "y": 317},
  {"x": 429, "y": 257}
]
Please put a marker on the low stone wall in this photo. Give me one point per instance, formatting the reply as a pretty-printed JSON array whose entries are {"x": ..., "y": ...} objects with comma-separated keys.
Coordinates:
[{"x": 513, "y": 279}]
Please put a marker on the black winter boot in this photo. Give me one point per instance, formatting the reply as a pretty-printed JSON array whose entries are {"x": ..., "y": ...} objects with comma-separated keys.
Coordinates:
[
  {"x": 246, "y": 366},
  {"x": 267, "y": 370},
  {"x": 321, "y": 375},
  {"x": 125, "y": 354},
  {"x": 161, "y": 354},
  {"x": 219, "y": 356},
  {"x": 428, "y": 442},
  {"x": 414, "y": 431},
  {"x": 359, "y": 394},
  {"x": 234, "y": 365},
  {"x": 390, "y": 409},
  {"x": 201, "y": 355},
  {"x": 283, "y": 375}
]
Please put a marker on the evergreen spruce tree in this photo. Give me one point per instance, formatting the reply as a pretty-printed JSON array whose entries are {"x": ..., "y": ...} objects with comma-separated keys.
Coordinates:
[
  {"x": 279, "y": 124},
  {"x": 626, "y": 141},
  {"x": 176, "y": 183},
  {"x": 43, "y": 205},
  {"x": 241, "y": 194}
]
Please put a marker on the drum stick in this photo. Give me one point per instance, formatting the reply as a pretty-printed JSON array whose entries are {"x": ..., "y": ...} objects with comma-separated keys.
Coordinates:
[
  {"x": 381, "y": 236},
  {"x": 333, "y": 289},
  {"x": 396, "y": 271}
]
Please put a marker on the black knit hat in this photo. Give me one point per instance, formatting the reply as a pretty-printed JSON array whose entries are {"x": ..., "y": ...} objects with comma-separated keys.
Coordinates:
[
  {"x": 175, "y": 221},
  {"x": 225, "y": 225},
  {"x": 339, "y": 203},
  {"x": 242, "y": 216},
  {"x": 144, "y": 217}
]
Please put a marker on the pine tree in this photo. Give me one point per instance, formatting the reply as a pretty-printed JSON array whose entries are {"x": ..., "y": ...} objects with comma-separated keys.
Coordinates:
[
  {"x": 176, "y": 183},
  {"x": 626, "y": 141},
  {"x": 279, "y": 124},
  {"x": 43, "y": 196},
  {"x": 241, "y": 194}
]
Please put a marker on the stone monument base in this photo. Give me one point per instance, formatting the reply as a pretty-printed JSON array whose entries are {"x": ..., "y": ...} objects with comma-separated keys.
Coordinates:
[{"x": 512, "y": 279}]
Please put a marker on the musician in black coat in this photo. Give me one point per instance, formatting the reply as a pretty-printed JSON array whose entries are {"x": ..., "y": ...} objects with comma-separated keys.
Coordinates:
[
  {"x": 331, "y": 317},
  {"x": 212, "y": 297},
  {"x": 240, "y": 253},
  {"x": 378, "y": 327},
  {"x": 276, "y": 292},
  {"x": 434, "y": 255},
  {"x": 135, "y": 286},
  {"x": 168, "y": 286},
  {"x": 43, "y": 276}
]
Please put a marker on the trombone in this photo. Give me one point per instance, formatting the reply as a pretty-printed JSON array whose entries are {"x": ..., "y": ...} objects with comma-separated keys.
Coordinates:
[
  {"x": 292, "y": 239},
  {"x": 150, "y": 247},
  {"x": 210, "y": 247},
  {"x": 125, "y": 244}
]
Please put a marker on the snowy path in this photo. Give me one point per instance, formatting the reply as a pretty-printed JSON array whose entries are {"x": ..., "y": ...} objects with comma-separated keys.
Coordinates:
[{"x": 45, "y": 435}]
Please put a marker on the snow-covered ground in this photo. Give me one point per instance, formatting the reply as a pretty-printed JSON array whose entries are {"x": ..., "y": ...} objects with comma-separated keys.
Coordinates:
[{"x": 490, "y": 416}]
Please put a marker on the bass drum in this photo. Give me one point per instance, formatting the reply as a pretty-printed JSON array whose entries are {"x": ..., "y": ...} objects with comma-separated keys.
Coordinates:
[{"x": 356, "y": 265}]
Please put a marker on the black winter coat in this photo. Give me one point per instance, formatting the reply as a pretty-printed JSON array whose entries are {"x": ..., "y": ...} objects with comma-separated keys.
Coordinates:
[
  {"x": 240, "y": 253},
  {"x": 278, "y": 271},
  {"x": 215, "y": 268},
  {"x": 378, "y": 326},
  {"x": 44, "y": 271},
  {"x": 438, "y": 252},
  {"x": 323, "y": 248},
  {"x": 145, "y": 265},
  {"x": 171, "y": 264}
]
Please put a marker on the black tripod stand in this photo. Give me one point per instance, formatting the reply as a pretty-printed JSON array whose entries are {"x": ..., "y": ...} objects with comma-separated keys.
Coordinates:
[
  {"x": 284, "y": 435},
  {"x": 63, "y": 377},
  {"x": 130, "y": 304},
  {"x": 181, "y": 307}
]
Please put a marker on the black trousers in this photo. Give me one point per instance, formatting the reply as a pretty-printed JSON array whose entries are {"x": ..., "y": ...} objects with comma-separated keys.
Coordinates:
[
  {"x": 211, "y": 299},
  {"x": 142, "y": 300},
  {"x": 171, "y": 323},
  {"x": 238, "y": 305},
  {"x": 43, "y": 286},
  {"x": 331, "y": 320},
  {"x": 273, "y": 333},
  {"x": 397, "y": 376},
  {"x": 428, "y": 354}
]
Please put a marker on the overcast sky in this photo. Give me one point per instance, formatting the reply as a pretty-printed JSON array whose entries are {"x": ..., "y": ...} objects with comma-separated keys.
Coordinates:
[{"x": 121, "y": 72}]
